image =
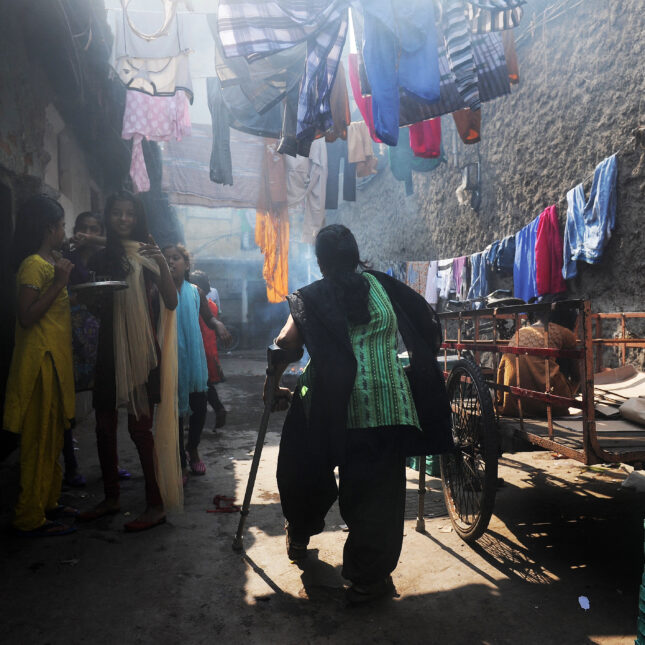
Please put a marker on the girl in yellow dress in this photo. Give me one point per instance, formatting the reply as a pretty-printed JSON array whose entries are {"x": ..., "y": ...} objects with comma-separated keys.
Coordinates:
[{"x": 40, "y": 399}]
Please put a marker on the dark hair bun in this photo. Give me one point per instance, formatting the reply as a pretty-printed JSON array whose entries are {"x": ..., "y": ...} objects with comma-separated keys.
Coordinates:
[{"x": 338, "y": 258}]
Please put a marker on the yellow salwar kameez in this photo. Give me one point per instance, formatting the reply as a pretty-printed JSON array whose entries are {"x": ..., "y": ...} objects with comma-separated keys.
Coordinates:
[{"x": 40, "y": 397}]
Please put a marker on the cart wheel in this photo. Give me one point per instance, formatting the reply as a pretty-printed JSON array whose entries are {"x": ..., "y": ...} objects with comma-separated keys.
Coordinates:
[{"x": 469, "y": 472}]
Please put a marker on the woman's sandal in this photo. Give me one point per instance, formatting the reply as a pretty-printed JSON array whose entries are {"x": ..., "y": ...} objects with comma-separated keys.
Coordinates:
[
  {"x": 61, "y": 511},
  {"x": 137, "y": 526},
  {"x": 198, "y": 467},
  {"x": 48, "y": 529}
]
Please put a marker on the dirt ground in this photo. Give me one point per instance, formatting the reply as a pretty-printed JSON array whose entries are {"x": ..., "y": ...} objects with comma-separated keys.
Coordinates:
[{"x": 560, "y": 531}]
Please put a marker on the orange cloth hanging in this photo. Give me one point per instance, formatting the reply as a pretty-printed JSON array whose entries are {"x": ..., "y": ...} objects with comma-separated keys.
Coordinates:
[
  {"x": 272, "y": 224},
  {"x": 469, "y": 124},
  {"x": 508, "y": 40}
]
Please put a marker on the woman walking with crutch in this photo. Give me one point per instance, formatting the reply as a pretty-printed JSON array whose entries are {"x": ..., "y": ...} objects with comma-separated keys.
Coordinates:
[{"x": 354, "y": 407}]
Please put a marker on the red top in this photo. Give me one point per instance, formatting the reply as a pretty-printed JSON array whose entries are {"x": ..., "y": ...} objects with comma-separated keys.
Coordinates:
[
  {"x": 210, "y": 346},
  {"x": 548, "y": 254}
]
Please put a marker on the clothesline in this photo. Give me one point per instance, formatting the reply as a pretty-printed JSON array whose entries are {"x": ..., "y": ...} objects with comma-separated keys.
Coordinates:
[{"x": 531, "y": 27}]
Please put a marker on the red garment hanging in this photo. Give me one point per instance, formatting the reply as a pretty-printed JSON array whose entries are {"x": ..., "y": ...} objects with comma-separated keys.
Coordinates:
[
  {"x": 364, "y": 103},
  {"x": 549, "y": 254},
  {"x": 425, "y": 138}
]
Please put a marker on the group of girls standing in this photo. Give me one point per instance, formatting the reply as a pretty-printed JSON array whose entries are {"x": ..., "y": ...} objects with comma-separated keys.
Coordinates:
[{"x": 136, "y": 350}]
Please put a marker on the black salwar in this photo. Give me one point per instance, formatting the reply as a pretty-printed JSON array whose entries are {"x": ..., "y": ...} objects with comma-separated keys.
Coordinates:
[{"x": 371, "y": 494}]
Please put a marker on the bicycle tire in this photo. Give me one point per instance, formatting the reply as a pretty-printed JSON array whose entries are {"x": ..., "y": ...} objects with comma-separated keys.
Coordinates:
[{"x": 469, "y": 472}]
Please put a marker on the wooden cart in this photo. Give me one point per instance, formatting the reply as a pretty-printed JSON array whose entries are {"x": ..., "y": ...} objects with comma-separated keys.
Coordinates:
[{"x": 480, "y": 337}]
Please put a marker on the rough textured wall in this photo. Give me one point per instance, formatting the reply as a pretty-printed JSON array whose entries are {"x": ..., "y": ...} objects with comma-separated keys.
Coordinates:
[
  {"x": 582, "y": 81},
  {"x": 24, "y": 94}
]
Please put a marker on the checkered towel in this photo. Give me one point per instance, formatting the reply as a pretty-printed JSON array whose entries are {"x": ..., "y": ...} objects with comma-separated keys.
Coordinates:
[{"x": 256, "y": 28}]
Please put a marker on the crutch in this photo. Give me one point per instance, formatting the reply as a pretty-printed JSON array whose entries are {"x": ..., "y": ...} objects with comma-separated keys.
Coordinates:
[{"x": 275, "y": 356}]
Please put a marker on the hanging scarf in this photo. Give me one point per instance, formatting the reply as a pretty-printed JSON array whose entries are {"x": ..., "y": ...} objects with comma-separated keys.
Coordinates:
[
  {"x": 192, "y": 368},
  {"x": 135, "y": 352}
]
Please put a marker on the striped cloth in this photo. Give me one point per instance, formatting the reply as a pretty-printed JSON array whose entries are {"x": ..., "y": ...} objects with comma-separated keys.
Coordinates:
[
  {"x": 458, "y": 40},
  {"x": 256, "y": 28},
  {"x": 494, "y": 15}
]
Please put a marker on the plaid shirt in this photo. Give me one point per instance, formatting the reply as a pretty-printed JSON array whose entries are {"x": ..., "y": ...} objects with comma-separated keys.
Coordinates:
[{"x": 256, "y": 28}]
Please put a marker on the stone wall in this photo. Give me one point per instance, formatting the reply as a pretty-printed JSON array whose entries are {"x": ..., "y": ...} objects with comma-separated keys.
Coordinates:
[{"x": 579, "y": 99}]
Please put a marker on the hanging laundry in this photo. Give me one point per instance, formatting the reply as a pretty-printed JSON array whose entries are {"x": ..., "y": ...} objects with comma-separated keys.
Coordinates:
[
  {"x": 445, "y": 280},
  {"x": 272, "y": 224},
  {"x": 238, "y": 112},
  {"x": 478, "y": 276},
  {"x": 400, "y": 52},
  {"x": 494, "y": 15},
  {"x": 265, "y": 26},
  {"x": 432, "y": 291},
  {"x": 460, "y": 276},
  {"x": 337, "y": 152},
  {"x": 492, "y": 79},
  {"x": 264, "y": 82},
  {"x": 403, "y": 161},
  {"x": 157, "y": 66},
  {"x": 221, "y": 165},
  {"x": 157, "y": 118},
  {"x": 306, "y": 185},
  {"x": 524, "y": 275},
  {"x": 468, "y": 124},
  {"x": 500, "y": 256},
  {"x": 187, "y": 170},
  {"x": 289, "y": 143},
  {"x": 458, "y": 42},
  {"x": 548, "y": 254},
  {"x": 359, "y": 149},
  {"x": 425, "y": 139},
  {"x": 508, "y": 40},
  {"x": 364, "y": 103},
  {"x": 339, "y": 103},
  {"x": 417, "y": 276},
  {"x": 590, "y": 222},
  {"x": 399, "y": 270}
]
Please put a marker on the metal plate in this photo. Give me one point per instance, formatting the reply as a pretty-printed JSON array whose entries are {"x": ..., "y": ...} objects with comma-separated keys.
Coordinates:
[{"x": 105, "y": 286}]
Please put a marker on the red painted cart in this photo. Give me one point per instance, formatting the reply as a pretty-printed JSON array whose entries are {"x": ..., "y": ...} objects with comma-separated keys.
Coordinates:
[{"x": 479, "y": 338}]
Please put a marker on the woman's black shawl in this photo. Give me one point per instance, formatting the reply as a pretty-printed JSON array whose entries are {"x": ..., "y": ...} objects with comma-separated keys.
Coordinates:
[{"x": 323, "y": 326}]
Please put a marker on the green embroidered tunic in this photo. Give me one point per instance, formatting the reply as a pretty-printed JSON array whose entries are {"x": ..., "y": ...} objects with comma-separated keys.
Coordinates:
[{"x": 381, "y": 395}]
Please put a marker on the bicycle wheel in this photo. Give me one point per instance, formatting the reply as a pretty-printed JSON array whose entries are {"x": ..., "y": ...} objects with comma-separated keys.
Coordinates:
[{"x": 469, "y": 472}]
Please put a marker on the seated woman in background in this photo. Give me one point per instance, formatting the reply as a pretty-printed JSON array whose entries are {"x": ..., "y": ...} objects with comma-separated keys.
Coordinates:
[{"x": 564, "y": 378}]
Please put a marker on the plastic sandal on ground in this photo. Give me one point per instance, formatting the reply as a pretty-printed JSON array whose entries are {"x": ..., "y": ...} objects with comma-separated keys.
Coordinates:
[
  {"x": 227, "y": 507},
  {"x": 136, "y": 526}
]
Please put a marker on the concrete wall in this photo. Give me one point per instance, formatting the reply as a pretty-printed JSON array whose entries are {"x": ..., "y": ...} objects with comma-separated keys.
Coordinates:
[{"x": 580, "y": 98}]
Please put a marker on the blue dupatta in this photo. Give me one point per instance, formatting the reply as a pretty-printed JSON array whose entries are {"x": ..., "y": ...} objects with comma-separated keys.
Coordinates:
[{"x": 192, "y": 369}]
